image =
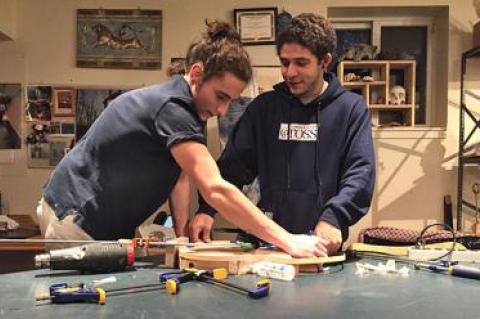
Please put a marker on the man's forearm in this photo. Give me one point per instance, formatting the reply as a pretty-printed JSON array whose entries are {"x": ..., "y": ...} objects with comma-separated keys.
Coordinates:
[
  {"x": 179, "y": 204},
  {"x": 240, "y": 211}
]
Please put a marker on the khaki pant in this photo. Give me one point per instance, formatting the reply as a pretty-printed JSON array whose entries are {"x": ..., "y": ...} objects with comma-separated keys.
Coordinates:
[{"x": 53, "y": 228}]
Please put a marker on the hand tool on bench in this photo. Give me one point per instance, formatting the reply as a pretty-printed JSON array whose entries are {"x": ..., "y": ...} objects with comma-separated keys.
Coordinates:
[
  {"x": 451, "y": 269},
  {"x": 104, "y": 256},
  {"x": 174, "y": 279},
  {"x": 442, "y": 266},
  {"x": 79, "y": 292}
]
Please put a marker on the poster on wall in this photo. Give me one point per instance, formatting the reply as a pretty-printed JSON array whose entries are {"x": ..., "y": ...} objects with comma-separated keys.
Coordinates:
[
  {"x": 38, "y": 103},
  {"x": 124, "y": 39},
  {"x": 59, "y": 145},
  {"x": 64, "y": 101},
  {"x": 10, "y": 116},
  {"x": 90, "y": 104}
]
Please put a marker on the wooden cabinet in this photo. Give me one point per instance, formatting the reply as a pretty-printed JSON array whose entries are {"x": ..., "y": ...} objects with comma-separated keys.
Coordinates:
[{"x": 388, "y": 87}]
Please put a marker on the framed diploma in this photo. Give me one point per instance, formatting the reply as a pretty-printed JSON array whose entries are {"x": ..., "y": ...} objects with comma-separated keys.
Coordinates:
[{"x": 256, "y": 26}]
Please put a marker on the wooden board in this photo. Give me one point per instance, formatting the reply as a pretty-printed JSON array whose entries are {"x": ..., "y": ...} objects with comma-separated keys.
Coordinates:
[
  {"x": 238, "y": 261},
  {"x": 399, "y": 250},
  {"x": 27, "y": 226}
]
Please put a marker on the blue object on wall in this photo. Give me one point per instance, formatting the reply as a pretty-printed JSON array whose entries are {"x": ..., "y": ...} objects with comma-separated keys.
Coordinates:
[{"x": 283, "y": 19}]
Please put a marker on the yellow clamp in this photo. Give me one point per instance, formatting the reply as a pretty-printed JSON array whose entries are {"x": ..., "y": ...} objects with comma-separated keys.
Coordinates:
[
  {"x": 220, "y": 273},
  {"x": 102, "y": 296},
  {"x": 217, "y": 273},
  {"x": 171, "y": 287},
  {"x": 264, "y": 282}
]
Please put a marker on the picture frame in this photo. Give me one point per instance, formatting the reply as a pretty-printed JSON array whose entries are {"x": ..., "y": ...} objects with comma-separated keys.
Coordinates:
[
  {"x": 57, "y": 127},
  {"x": 38, "y": 155},
  {"x": 64, "y": 100},
  {"x": 119, "y": 38},
  {"x": 10, "y": 116},
  {"x": 59, "y": 146},
  {"x": 49, "y": 153},
  {"x": 38, "y": 103},
  {"x": 90, "y": 104},
  {"x": 256, "y": 26}
]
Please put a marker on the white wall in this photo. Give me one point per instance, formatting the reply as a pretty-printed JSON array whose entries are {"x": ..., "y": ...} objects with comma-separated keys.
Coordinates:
[{"x": 415, "y": 168}]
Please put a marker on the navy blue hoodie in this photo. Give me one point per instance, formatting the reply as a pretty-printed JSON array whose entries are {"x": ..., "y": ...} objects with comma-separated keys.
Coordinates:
[{"x": 314, "y": 161}]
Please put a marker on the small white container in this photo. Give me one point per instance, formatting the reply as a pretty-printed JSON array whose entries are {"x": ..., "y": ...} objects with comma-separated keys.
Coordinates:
[{"x": 274, "y": 270}]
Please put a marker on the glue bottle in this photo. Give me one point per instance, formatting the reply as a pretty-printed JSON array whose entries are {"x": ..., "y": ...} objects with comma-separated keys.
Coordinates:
[{"x": 274, "y": 270}]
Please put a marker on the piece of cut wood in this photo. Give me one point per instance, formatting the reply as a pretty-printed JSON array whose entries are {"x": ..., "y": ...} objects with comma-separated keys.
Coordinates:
[
  {"x": 238, "y": 261},
  {"x": 401, "y": 251}
]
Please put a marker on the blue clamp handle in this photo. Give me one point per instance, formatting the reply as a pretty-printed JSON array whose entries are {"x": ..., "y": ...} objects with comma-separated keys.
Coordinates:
[
  {"x": 170, "y": 274},
  {"x": 259, "y": 292},
  {"x": 65, "y": 293},
  {"x": 180, "y": 276}
]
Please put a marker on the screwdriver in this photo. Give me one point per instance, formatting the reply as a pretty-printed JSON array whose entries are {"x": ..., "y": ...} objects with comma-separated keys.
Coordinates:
[{"x": 454, "y": 270}]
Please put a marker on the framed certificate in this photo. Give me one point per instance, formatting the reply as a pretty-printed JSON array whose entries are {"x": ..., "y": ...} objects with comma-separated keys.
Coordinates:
[{"x": 256, "y": 26}]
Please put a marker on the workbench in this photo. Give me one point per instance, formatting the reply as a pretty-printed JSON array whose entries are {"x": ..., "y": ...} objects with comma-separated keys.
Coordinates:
[
  {"x": 19, "y": 256},
  {"x": 342, "y": 294}
]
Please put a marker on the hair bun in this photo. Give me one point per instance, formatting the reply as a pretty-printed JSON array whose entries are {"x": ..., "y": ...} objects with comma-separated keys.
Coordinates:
[{"x": 219, "y": 30}]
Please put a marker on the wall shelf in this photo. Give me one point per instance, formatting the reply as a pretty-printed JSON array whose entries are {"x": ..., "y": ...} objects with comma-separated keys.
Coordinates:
[{"x": 373, "y": 79}]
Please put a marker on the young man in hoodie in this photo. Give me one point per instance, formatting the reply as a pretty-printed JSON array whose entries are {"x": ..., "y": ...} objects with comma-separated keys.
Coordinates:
[{"x": 309, "y": 141}]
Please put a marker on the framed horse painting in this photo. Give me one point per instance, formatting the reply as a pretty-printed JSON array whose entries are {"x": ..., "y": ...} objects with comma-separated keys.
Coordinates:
[{"x": 123, "y": 39}]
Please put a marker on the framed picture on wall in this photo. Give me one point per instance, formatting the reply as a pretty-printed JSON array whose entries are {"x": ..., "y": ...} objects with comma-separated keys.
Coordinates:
[
  {"x": 38, "y": 103},
  {"x": 38, "y": 155},
  {"x": 64, "y": 100},
  {"x": 256, "y": 25},
  {"x": 59, "y": 146},
  {"x": 90, "y": 104},
  {"x": 10, "y": 116},
  {"x": 123, "y": 39}
]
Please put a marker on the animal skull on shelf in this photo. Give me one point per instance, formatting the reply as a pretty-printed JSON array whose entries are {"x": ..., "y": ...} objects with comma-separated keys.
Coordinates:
[{"x": 397, "y": 95}]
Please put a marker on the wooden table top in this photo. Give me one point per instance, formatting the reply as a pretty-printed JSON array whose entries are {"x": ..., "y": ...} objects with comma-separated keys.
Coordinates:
[{"x": 26, "y": 224}]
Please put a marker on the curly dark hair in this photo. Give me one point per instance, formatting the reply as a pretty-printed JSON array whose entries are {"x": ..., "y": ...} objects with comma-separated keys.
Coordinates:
[
  {"x": 220, "y": 51},
  {"x": 311, "y": 31},
  {"x": 176, "y": 68}
]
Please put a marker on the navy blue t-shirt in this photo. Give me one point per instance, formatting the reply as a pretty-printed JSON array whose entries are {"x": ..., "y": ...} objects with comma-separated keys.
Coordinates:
[{"x": 122, "y": 170}]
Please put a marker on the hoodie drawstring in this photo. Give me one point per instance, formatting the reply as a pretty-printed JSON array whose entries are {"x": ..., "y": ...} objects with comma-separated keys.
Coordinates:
[{"x": 318, "y": 181}]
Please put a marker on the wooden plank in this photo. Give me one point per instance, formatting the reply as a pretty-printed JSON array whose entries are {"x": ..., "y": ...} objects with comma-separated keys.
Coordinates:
[
  {"x": 238, "y": 261},
  {"x": 25, "y": 222}
]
